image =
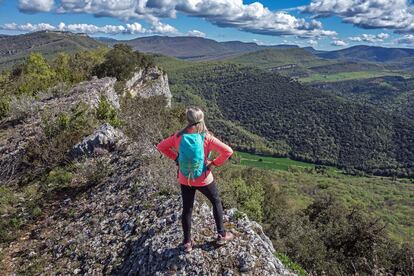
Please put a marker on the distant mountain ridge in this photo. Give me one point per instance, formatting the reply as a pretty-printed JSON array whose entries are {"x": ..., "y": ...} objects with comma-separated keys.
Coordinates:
[
  {"x": 15, "y": 48},
  {"x": 369, "y": 53},
  {"x": 48, "y": 43},
  {"x": 194, "y": 48}
]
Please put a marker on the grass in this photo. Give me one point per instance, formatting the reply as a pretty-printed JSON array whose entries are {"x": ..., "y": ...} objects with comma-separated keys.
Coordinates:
[
  {"x": 349, "y": 76},
  {"x": 266, "y": 162}
]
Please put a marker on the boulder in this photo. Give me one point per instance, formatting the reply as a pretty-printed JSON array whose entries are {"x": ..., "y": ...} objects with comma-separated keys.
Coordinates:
[{"x": 105, "y": 137}]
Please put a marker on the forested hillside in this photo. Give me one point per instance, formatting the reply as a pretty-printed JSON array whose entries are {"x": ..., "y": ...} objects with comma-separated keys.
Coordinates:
[
  {"x": 392, "y": 94},
  {"x": 370, "y": 53},
  {"x": 297, "y": 121},
  {"x": 194, "y": 48},
  {"x": 307, "y": 66}
]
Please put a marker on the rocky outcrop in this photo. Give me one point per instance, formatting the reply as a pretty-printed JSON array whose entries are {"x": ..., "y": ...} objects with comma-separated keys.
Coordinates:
[
  {"x": 130, "y": 224},
  {"x": 158, "y": 251},
  {"x": 106, "y": 137},
  {"x": 149, "y": 82},
  {"x": 16, "y": 138},
  {"x": 122, "y": 213}
]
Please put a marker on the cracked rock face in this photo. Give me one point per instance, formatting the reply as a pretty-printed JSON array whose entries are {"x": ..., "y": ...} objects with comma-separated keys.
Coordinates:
[
  {"x": 158, "y": 251},
  {"x": 149, "y": 82}
]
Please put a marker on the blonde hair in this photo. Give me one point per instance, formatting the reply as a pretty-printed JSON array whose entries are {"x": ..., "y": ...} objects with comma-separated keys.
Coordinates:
[{"x": 195, "y": 117}]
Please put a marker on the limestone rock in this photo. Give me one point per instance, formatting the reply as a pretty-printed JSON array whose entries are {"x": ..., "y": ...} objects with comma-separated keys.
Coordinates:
[
  {"x": 106, "y": 137},
  {"x": 149, "y": 82}
]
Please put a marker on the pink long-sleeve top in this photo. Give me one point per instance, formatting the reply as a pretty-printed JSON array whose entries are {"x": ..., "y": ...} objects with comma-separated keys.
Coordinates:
[{"x": 170, "y": 146}]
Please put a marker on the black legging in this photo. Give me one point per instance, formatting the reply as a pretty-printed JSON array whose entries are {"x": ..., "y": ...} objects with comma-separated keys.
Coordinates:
[{"x": 211, "y": 192}]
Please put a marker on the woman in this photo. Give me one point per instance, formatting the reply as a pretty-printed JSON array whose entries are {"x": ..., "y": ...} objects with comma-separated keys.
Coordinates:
[{"x": 181, "y": 147}]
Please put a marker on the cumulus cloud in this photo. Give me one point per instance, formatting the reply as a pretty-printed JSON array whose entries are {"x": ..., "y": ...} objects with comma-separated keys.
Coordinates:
[
  {"x": 397, "y": 15},
  {"x": 196, "y": 33},
  {"x": 162, "y": 28},
  {"x": 313, "y": 42},
  {"x": 370, "y": 38},
  {"x": 254, "y": 17},
  {"x": 338, "y": 42},
  {"x": 406, "y": 39},
  {"x": 32, "y": 6},
  {"x": 28, "y": 27},
  {"x": 133, "y": 28}
]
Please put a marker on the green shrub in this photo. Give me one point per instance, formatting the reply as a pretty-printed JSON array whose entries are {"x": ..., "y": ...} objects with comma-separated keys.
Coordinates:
[
  {"x": 59, "y": 176},
  {"x": 106, "y": 112},
  {"x": 37, "y": 75},
  {"x": 121, "y": 62},
  {"x": 4, "y": 107},
  {"x": 61, "y": 132},
  {"x": 148, "y": 117},
  {"x": 243, "y": 189},
  {"x": 288, "y": 263}
]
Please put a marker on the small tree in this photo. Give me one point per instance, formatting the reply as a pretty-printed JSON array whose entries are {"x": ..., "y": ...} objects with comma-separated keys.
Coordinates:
[
  {"x": 37, "y": 75},
  {"x": 121, "y": 62}
]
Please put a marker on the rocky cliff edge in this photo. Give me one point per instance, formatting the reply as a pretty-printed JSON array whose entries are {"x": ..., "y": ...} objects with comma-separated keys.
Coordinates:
[{"x": 128, "y": 223}]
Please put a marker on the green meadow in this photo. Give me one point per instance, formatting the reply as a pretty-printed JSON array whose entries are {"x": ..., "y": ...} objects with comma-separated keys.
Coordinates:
[{"x": 267, "y": 162}]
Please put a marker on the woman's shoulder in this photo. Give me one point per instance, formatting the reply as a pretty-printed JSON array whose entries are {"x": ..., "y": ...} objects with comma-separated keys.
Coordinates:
[{"x": 209, "y": 136}]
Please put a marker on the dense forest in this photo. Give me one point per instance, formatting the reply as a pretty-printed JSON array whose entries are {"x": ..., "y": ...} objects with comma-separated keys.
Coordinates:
[
  {"x": 296, "y": 121},
  {"x": 393, "y": 94}
]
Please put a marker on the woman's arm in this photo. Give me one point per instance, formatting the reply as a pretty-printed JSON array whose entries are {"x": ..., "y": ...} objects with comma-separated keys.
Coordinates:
[
  {"x": 166, "y": 146},
  {"x": 223, "y": 150}
]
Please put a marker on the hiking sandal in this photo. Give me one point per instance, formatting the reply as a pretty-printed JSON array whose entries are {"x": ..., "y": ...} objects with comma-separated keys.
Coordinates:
[{"x": 228, "y": 236}]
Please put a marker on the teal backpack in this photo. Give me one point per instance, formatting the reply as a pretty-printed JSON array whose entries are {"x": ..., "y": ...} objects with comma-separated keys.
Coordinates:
[{"x": 191, "y": 155}]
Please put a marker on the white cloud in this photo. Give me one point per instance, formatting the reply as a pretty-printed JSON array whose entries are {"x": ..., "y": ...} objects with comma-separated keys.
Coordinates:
[
  {"x": 254, "y": 17},
  {"x": 196, "y": 33},
  {"x": 32, "y": 6},
  {"x": 135, "y": 28},
  {"x": 77, "y": 28},
  {"x": 370, "y": 38},
  {"x": 406, "y": 39},
  {"x": 338, "y": 42},
  {"x": 397, "y": 15},
  {"x": 312, "y": 42},
  {"x": 28, "y": 27},
  {"x": 162, "y": 28}
]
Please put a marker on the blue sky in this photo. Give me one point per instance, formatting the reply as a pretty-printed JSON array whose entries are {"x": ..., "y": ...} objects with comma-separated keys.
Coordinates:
[{"x": 323, "y": 24}]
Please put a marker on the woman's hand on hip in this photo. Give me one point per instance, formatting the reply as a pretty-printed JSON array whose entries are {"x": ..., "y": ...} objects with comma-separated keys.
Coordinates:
[{"x": 210, "y": 165}]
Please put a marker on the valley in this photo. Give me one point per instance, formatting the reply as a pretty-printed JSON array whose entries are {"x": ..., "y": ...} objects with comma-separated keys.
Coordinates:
[{"x": 389, "y": 198}]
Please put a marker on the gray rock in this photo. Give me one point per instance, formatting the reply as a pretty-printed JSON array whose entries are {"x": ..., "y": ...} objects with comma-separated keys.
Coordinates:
[
  {"x": 149, "y": 82},
  {"x": 106, "y": 137}
]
